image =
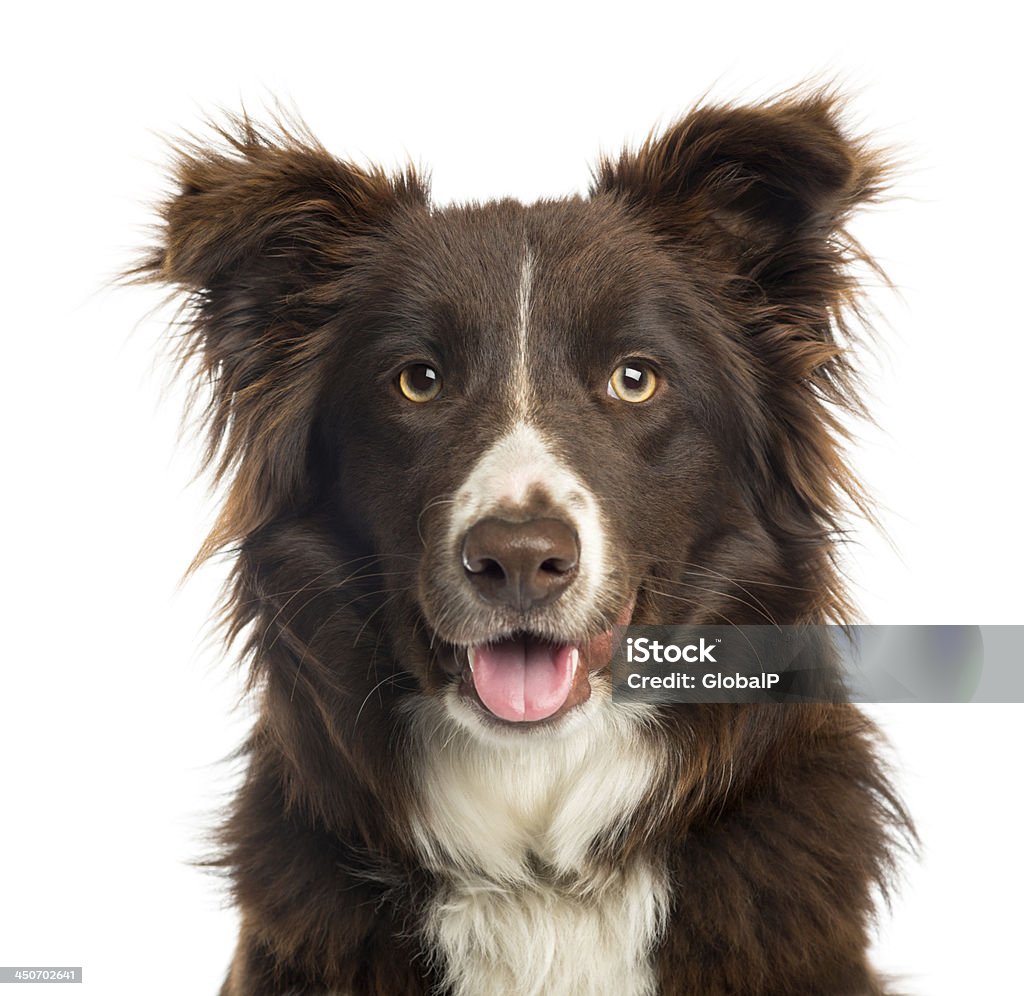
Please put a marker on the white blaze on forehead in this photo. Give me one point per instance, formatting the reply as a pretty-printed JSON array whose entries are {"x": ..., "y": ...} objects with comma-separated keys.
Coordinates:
[
  {"x": 516, "y": 469},
  {"x": 521, "y": 375}
]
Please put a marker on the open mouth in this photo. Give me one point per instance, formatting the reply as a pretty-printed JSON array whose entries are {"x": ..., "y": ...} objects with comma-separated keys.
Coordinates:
[{"x": 524, "y": 678}]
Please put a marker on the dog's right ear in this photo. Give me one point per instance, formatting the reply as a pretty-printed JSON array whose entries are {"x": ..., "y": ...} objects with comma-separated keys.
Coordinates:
[{"x": 262, "y": 235}]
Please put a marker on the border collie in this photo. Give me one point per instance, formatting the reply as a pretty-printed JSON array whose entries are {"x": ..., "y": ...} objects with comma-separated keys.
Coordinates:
[{"x": 459, "y": 446}]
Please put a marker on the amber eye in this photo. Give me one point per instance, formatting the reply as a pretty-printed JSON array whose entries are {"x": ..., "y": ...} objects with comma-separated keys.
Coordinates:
[
  {"x": 633, "y": 381},
  {"x": 419, "y": 382}
]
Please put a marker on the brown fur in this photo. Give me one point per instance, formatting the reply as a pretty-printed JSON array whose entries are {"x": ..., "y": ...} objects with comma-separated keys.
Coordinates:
[{"x": 777, "y": 824}]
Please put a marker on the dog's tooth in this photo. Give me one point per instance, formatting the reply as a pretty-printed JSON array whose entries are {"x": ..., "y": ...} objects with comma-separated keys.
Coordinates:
[{"x": 574, "y": 661}]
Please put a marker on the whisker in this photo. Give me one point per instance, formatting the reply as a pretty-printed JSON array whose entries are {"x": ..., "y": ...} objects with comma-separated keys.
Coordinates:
[
  {"x": 387, "y": 601},
  {"x": 294, "y": 595},
  {"x": 646, "y": 582},
  {"x": 332, "y": 615},
  {"x": 434, "y": 502},
  {"x": 335, "y": 586},
  {"x": 675, "y": 562},
  {"x": 383, "y": 681}
]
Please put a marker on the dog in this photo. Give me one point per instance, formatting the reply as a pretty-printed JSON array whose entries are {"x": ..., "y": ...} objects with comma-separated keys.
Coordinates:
[{"x": 461, "y": 445}]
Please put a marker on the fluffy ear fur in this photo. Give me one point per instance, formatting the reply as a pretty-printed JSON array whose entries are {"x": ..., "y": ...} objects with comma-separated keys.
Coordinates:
[
  {"x": 757, "y": 185},
  {"x": 262, "y": 233}
]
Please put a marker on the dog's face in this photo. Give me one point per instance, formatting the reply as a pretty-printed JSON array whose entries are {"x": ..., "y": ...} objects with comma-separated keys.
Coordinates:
[
  {"x": 527, "y": 421},
  {"x": 535, "y": 422}
]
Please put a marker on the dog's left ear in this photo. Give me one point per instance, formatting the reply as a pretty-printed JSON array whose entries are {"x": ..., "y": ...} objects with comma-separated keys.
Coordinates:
[{"x": 757, "y": 190}]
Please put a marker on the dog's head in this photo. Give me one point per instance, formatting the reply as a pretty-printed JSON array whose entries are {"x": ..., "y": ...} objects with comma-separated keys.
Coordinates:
[{"x": 532, "y": 423}]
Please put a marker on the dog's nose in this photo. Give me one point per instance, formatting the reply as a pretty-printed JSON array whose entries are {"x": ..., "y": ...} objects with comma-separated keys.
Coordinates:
[{"x": 520, "y": 564}]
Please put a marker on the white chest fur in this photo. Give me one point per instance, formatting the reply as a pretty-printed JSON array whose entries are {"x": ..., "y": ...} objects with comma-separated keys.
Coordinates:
[
  {"x": 542, "y": 940},
  {"x": 507, "y": 824}
]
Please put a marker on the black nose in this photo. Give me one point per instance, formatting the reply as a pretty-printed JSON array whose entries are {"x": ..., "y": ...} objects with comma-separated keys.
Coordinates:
[{"x": 520, "y": 564}]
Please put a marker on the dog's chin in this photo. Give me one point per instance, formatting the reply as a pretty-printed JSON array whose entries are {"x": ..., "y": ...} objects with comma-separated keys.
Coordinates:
[{"x": 524, "y": 681}]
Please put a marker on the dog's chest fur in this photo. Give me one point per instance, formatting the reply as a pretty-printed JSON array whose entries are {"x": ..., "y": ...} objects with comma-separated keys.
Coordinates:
[{"x": 507, "y": 829}]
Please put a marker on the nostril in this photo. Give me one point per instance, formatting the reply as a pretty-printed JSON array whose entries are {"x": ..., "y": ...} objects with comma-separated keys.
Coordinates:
[
  {"x": 558, "y": 565},
  {"x": 485, "y": 566}
]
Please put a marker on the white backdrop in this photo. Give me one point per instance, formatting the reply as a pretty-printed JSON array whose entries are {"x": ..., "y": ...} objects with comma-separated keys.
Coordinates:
[{"x": 113, "y": 711}]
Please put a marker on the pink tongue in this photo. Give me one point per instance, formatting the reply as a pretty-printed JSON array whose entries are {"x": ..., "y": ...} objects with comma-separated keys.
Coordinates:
[{"x": 523, "y": 680}]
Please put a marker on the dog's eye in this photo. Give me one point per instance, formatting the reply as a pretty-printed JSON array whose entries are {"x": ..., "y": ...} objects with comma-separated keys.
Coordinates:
[
  {"x": 633, "y": 381},
  {"x": 419, "y": 382}
]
